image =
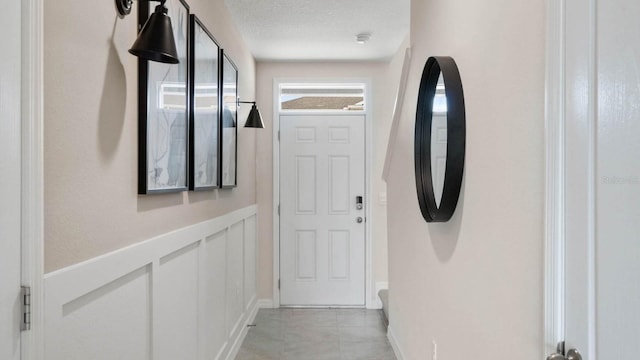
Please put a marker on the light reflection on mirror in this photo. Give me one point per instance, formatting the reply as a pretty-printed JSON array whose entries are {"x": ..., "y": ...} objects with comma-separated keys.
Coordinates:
[{"x": 439, "y": 140}]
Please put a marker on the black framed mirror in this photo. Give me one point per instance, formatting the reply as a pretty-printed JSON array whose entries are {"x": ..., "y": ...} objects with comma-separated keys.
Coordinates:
[{"x": 440, "y": 132}]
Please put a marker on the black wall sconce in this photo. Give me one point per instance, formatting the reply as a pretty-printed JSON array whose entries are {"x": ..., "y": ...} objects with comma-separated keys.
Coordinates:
[
  {"x": 155, "y": 41},
  {"x": 254, "y": 120}
]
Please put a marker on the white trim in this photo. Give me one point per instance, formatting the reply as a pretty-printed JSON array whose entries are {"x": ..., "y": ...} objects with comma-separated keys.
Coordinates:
[
  {"x": 265, "y": 304},
  {"x": 276, "y": 194},
  {"x": 32, "y": 341},
  {"x": 369, "y": 290},
  {"x": 592, "y": 178},
  {"x": 394, "y": 344},
  {"x": 370, "y": 295},
  {"x": 323, "y": 112},
  {"x": 380, "y": 285},
  {"x": 235, "y": 348},
  {"x": 397, "y": 111},
  {"x": 554, "y": 317}
]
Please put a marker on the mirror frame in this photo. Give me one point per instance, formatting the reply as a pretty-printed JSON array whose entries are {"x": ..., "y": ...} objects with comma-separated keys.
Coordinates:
[{"x": 456, "y": 135}]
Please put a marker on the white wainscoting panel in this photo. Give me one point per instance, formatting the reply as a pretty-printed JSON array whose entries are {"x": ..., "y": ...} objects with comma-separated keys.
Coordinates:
[
  {"x": 250, "y": 261},
  {"x": 175, "y": 305},
  {"x": 188, "y": 294},
  {"x": 215, "y": 336},
  {"x": 235, "y": 278}
]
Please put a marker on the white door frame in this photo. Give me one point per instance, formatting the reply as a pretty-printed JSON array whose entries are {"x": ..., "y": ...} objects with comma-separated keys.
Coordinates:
[
  {"x": 370, "y": 301},
  {"x": 555, "y": 176},
  {"x": 559, "y": 63},
  {"x": 32, "y": 341}
]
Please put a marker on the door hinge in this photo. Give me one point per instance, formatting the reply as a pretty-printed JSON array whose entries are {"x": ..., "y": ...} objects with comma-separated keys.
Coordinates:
[
  {"x": 278, "y": 209},
  {"x": 25, "y": 321},
  {"x": 278, "y": 284},
  {"x": 278, "y": 135}
]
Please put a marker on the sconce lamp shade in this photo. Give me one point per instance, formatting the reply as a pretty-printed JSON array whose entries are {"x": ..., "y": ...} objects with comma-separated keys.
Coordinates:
[
  {"x": 155, "y": 41},
  {"x": 254, "y": 120}
]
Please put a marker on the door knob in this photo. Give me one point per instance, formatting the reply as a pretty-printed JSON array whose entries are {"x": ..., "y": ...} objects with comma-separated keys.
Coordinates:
[
  {"x": 359, "y": 219},
  {"x": 573, "y": 354}
]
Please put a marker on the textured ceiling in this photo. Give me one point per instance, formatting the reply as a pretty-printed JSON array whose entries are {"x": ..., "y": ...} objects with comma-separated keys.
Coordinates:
[{"x": 321, "y": 29}]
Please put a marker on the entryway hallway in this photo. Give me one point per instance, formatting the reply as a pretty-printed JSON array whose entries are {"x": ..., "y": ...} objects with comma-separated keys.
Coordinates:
[{"x": 315, "y": 334}]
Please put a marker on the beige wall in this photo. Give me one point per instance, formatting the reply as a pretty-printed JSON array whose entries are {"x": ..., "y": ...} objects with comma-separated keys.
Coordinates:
[
  {"x": 384, "y": 82},
  {"x": 91, "y": 201},
  {"x": 474, "y": 285}
]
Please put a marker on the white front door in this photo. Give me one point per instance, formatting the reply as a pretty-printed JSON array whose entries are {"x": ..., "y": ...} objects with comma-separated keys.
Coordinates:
[
  {"x": 322, "y": 229},
  {"x": 10, "y": 305},
  {"x": 602, "y": 185}
]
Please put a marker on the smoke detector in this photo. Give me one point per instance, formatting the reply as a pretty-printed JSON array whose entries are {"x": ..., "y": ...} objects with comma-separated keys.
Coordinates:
[{"x": 363, "y": 38}]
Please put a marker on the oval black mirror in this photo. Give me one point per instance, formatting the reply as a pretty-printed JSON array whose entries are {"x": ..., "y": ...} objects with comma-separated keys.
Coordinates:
[{"x": 440, "y": 132}]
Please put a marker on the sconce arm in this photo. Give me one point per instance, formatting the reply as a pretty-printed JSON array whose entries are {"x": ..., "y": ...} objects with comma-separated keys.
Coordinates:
[
  {"x": 124, "y": 6},
  {"x": 245, "y": 102}
]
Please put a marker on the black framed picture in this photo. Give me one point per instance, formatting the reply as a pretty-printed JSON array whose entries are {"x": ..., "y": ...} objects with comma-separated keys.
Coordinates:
[
  {"x": 163, "y": 110},
  {"x": 229, "y": 133},
  {"x": 204, "y": 116}
]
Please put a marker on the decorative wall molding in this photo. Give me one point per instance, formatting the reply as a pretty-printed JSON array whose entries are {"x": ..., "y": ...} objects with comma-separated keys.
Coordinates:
[{"x": 187, "y": 294}]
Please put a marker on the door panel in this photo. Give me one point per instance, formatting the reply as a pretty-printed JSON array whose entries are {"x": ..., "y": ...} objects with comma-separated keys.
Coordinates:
[
  {"x": 603, "y": 179},
  {"x": 618, "y": 173},
  {"x": 322, "y": 246},
  {"x": 10, "y": 182},
  {"x": 579, "y": 177}
]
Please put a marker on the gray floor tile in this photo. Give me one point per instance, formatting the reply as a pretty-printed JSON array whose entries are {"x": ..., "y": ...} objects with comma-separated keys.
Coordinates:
[
  {"x": 266, "y": 331},
  {"x": 310, "y": 318},
  {"x": 247, "y": 354},
  {"x": 311, "y": 334},
  {"x": 360, "y": 317},
  {"x": 268, "y": 315},
  {"x": 316, "y": 334},
  {"x": 262, "y": 344},
  {"x": 362, "y": 333},
  {"x": 327, "y": 348},
  {"x": 366, "y": 350}
]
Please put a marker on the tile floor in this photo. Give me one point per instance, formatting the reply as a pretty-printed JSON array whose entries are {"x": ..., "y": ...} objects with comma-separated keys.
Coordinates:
[{"x": 317, "y": 334}]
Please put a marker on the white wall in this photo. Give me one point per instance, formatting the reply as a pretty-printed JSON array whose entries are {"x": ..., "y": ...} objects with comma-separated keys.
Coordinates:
[
  {"x": 188, "y": 294},
  {"x": 384, "y": 78},
  {"x": 474, "y": 285}
]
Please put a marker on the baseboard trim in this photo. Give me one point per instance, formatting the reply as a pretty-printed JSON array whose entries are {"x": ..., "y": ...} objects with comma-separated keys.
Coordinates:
[
  {"x": 265, "y": 304},
  {"x": 237, "y": 344},
  {"x": 376, "y": 304},
  {"x": 394, "y": 344}
]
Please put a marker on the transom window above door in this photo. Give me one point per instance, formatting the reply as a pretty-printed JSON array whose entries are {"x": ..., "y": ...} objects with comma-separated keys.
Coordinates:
[{"x": 322, "y": 97}]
